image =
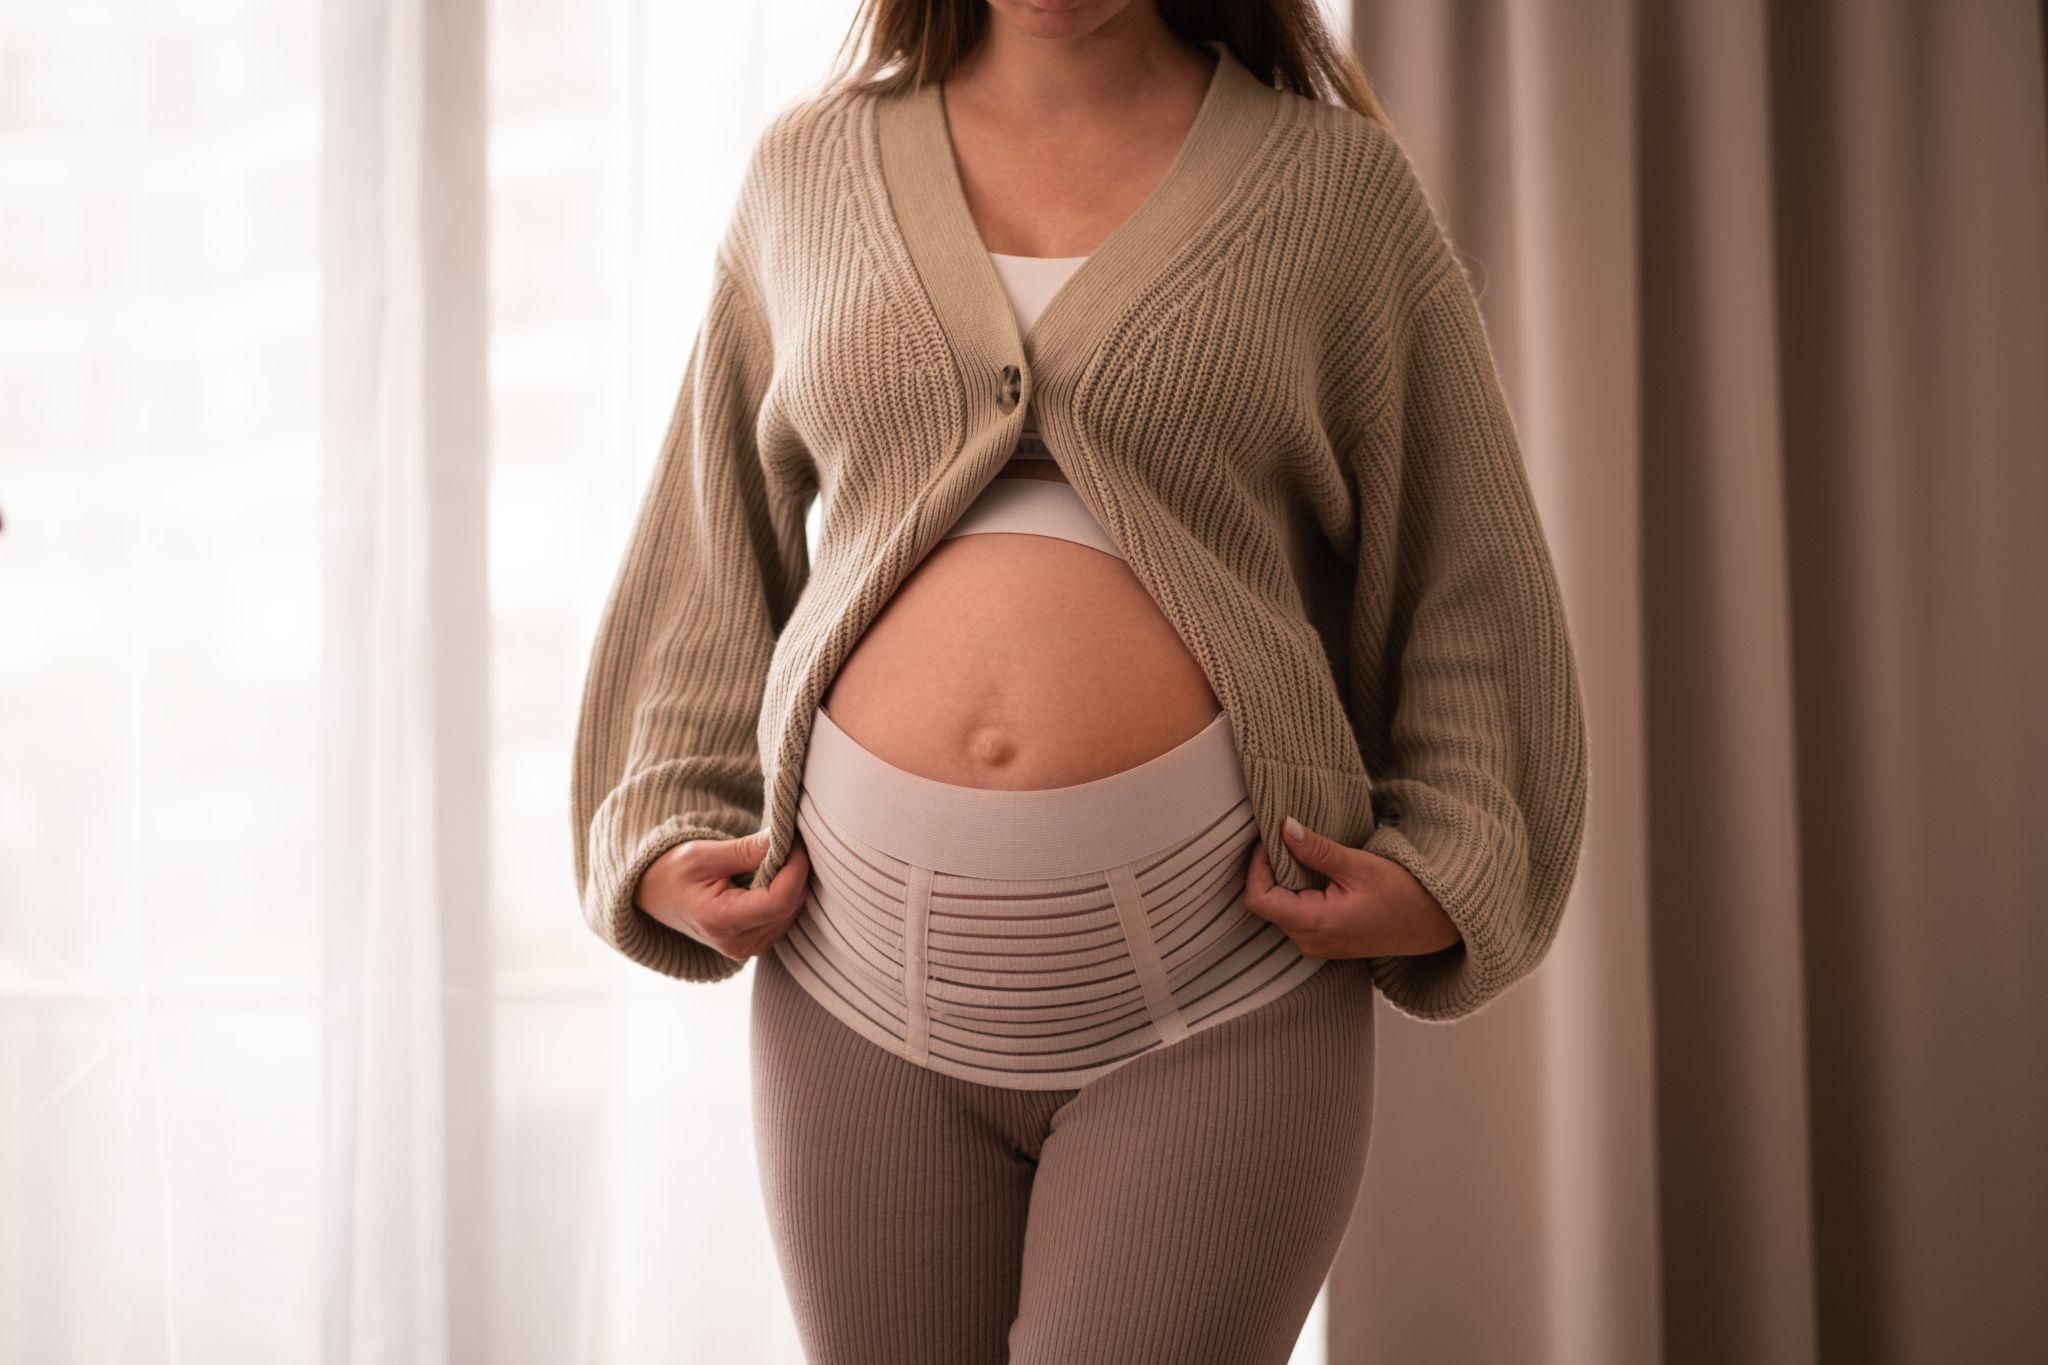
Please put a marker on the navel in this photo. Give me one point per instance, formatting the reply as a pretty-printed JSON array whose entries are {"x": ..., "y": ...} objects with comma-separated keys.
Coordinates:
[{"x": 992, "y": 747}]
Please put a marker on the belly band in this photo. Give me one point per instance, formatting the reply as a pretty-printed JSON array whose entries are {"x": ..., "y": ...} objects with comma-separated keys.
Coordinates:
[{"x": 1032, "y": 939}]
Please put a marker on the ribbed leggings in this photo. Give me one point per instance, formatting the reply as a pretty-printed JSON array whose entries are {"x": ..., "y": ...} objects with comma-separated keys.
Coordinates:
[{"x": 1184, "y": 1207}]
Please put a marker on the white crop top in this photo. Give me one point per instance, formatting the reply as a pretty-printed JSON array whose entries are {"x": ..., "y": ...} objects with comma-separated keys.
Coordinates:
[{"x": 1047, "y": 507}]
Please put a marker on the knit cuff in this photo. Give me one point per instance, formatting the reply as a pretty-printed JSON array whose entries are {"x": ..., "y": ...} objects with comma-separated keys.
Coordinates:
[
  {"x": 625, "y": 926},
  {"x": 1452, "y": 982}
]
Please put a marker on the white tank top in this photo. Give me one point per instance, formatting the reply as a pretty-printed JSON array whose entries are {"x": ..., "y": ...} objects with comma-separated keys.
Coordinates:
[{"x": 1031, "y": 281}]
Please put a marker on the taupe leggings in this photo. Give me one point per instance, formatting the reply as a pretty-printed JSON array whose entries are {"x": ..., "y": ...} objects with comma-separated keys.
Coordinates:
[{"x": 1184, "y": 1207}]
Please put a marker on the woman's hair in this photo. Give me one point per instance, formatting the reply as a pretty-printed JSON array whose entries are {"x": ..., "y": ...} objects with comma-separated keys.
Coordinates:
[{"x": 1283, "y": 42}]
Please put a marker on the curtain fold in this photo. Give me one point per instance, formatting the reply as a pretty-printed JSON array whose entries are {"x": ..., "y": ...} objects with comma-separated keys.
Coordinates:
[
  {"x": 1769, "y": 285},
  {"x": 405, "y": 904},
  {"x": 1734, "y": 1188}
]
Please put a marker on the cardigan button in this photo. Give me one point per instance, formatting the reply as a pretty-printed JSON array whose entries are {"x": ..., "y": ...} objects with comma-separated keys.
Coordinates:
[{"x": 1012, "y": 387}]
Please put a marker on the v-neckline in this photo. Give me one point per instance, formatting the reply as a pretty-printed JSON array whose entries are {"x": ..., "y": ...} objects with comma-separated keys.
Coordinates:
[
  {"x": 928, "y": 201},
  {"x": 949, "y": 151}
]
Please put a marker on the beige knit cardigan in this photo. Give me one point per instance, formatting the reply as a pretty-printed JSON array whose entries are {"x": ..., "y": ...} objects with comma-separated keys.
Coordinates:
[{"x": 1271, "y": 385}]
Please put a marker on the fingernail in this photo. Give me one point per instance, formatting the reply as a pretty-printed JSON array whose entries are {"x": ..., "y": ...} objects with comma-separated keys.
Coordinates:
[{"x": 1294, "y": 828}]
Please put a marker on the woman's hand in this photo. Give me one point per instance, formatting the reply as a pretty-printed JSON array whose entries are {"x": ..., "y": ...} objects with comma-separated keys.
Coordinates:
[
  {"x": 689, "y": 889},
  {"x": 1373, "y": 906}
]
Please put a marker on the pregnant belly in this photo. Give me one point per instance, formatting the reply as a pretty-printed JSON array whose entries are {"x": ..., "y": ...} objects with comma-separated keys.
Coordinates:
[{"x": 1017, "y": 661}]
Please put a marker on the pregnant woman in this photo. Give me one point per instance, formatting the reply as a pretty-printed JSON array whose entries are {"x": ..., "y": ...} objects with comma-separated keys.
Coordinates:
[{"x": 1178, "y": 664}]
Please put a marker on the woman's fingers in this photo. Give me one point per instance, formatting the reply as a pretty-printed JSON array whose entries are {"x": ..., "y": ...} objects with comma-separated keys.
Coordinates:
[
  {"x": 694, "y": 893},
  {"x": 1313, "y": 848},
  {"x": 752, "y": 918},
  {"x": 1328, "y": 921},
  {"x": 1294, "y": 911},
  {"x": 701, "y": 860},
  {"x": 785, "y": 891}
]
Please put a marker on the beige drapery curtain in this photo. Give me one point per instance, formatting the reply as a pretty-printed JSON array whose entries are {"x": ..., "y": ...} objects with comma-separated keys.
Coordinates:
[{"x": 1769, "y": 288}]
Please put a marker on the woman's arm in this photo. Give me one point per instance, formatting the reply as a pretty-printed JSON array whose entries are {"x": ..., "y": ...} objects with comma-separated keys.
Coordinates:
[
  {"x": 666, "y": 748},
  {"x": 1461, "y": 669}
]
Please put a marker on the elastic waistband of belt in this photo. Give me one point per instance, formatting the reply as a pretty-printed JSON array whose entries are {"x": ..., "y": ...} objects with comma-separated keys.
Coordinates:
[{"x": 1046, "y": 832}]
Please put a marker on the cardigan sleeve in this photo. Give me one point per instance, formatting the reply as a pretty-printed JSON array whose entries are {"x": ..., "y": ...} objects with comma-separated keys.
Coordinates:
[
  {"x": 1476, "y": 685},
  {"x": 666, "y": 748}
]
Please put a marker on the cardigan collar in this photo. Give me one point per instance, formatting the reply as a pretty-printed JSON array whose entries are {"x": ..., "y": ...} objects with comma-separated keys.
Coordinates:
[{"x": 929, "y": 205}]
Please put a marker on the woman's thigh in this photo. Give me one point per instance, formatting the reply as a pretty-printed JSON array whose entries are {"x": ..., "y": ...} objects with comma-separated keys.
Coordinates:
[
  {"x": 896, "y": 1196},
  {"x": 1189, "y": 1204}
]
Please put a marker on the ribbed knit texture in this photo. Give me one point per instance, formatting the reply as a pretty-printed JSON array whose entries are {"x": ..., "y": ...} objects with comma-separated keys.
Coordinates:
[
  {"x": 1184, "y": 1208},
  {"x": 1273, "y": 388}
]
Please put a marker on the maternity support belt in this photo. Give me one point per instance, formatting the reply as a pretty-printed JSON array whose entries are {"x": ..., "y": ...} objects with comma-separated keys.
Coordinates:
[{"x": 1032, "y": 939}]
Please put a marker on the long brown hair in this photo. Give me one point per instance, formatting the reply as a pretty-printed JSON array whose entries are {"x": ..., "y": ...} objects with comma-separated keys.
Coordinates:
[{"x": 1283, "y": 42}]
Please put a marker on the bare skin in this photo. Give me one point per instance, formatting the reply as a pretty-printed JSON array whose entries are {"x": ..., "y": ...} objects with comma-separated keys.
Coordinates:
[{"x": 1021, "y": 661}]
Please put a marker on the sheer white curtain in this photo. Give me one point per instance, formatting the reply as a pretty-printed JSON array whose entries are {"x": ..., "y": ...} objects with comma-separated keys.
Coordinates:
[{"x": 335, "y": 344}]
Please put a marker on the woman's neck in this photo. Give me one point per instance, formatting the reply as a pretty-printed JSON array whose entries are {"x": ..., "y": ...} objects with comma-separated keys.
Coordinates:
[{"x": 1048, "y": 83}]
